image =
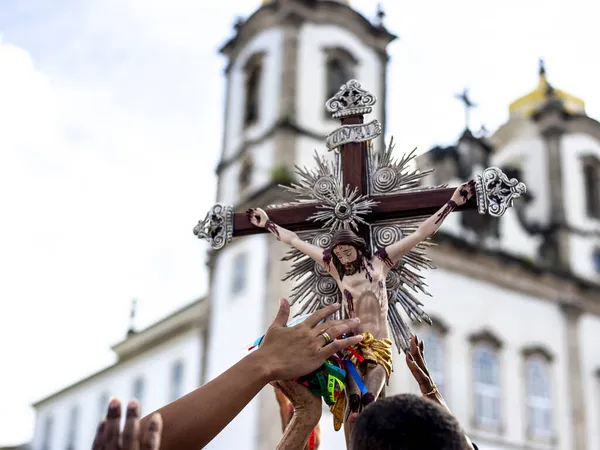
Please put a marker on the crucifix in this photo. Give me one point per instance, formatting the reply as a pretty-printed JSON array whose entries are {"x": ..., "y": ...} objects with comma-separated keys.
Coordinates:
[
  {"x": 466, "y": 101},
  {"x": 346, "y": 207},
  {"x": 371, "y": 191}
]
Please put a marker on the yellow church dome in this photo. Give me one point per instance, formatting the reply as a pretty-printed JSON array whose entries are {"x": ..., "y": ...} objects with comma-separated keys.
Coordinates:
[{"x": 528, "y": 104}]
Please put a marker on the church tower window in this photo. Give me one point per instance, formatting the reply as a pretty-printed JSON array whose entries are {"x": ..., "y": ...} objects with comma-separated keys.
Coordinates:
[
  {"x": 591, "y": 176},
  {"x": 340, "y": 67},
  {"x": 245, "y": 175},
  {"x": 596, "y": 260},
  {"x": 253, "y": 74}
]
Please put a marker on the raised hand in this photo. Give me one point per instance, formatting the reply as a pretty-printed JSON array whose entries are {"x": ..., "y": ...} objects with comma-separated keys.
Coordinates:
[
  {"x": 109, "y": 436},
  {"x": 257, "y": 217},
  {"x": 415, "y": 360},
  {"x": 463, "y": 193},
  {"x": 291, "y": 352}
]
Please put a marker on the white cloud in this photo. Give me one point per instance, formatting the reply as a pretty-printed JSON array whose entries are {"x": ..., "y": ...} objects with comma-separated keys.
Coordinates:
[{"x": 99, "y": 200}]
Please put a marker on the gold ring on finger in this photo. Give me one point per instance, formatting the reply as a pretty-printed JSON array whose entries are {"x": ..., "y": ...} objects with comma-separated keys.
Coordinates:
[{"x": 327, "y": 338}]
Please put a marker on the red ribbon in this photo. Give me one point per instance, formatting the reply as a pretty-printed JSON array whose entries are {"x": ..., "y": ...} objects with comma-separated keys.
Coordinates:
[{"x": 357, "y": 355}]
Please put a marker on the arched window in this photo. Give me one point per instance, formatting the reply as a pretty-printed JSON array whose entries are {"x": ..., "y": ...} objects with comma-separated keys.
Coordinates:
[
  {"x": 253, "y": 76},
  {"x": 539, "y": 398},
  {"x": 176, "y": 380},
  {"x": 486, "y": 377},
  {"x": 47, "y": 440},
  {"x": 435, "y": 355},
  {"x": 340, "y": 67},
  {"x": 73, "y": 427},
  {"x": 139, "y": 391},
  {"x": 102, "y": 405}
]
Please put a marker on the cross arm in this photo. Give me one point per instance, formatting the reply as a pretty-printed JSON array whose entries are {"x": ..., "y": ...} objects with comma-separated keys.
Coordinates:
[
  {"x": 293, "y": 218},
  {"x": 494, "y": 194},
  {"x": 221, "y": 223},
  {"x": 415, "y": 204}
]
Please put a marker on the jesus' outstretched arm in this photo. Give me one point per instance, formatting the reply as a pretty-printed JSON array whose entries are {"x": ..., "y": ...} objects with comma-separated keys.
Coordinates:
[
  {"x": 260, "y": 219},
  {"x": 394, "y": 252}
]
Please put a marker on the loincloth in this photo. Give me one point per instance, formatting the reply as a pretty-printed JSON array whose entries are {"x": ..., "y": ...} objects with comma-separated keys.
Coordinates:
[{"x": 374, "y": 351}]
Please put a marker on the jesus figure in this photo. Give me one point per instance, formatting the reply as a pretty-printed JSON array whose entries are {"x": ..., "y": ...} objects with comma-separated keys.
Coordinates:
[{"x": 360, "y": 278}]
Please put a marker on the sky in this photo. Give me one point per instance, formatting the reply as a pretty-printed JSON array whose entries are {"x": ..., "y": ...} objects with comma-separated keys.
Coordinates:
[{"x": 110, "y": 125}]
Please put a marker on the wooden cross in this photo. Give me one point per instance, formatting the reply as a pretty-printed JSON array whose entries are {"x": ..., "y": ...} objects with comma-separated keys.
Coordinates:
[{"x": 494, "y": 191}]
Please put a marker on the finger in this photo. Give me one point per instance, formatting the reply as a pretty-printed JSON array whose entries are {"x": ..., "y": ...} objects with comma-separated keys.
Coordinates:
[
  {"x": 113, "y": 422},
  {"x": 339, "y": 345},
  {"x": 418, "y": 374},
  {"x": 132, "y": 427},
  {"x": 336, "y": 328},
  {"x": 417, "y": 355},
  {"x": 315, "y": 318},
  {"x": 152, "y": 436},
  {"x": 282, "y": 315},
  {"x": 99, "y": 438}
]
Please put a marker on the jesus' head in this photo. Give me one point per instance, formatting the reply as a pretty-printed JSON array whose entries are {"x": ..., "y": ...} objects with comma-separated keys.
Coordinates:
[{"x": 347, "y": 252}]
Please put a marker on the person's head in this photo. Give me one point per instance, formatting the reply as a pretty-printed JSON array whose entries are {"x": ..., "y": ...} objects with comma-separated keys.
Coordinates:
[
  {"x": 407, "y": 422},
  {"x": 346, "y": 248}
]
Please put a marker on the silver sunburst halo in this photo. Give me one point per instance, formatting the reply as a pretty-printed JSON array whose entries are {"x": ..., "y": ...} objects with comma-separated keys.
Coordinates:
[{"x": 339, "y": 206}]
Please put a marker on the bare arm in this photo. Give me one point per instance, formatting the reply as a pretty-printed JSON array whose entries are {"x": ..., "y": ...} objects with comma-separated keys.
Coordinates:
[
  {"x": 307, "y": 412},
  {"x": 286, "y": 352},
  {"x": 260, "y": 219},
  {"x": 396, "y": 251}
]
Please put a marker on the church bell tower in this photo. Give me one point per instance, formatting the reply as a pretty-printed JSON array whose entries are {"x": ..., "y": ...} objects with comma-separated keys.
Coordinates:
[{"x": 283, "y": 63}]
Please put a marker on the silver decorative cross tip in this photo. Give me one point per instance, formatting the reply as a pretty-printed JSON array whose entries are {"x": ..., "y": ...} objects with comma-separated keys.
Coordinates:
[
  {"x": 217, "y": 226},
  {"x": 351, "y": 100},
  {"x": 495, "y": 192}
]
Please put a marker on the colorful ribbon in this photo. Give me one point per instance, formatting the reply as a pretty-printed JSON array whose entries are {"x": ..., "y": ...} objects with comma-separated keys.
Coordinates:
[{"x": 351, "y": 368}]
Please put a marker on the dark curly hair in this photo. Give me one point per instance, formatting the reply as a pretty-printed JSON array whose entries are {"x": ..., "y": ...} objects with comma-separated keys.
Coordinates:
[{"x": 407, "y": 422}]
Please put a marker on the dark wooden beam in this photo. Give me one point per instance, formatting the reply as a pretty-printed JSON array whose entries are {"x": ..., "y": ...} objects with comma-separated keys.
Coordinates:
[
  {"x": 355, "y": 157},
  {"x": 293, "y": 218},
  {"x": 399, "y": 206},
  {"x": 414, "y": 204}
]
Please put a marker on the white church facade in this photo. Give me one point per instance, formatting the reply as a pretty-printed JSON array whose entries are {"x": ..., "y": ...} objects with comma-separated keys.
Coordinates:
[{"x": 515, "y": 301}]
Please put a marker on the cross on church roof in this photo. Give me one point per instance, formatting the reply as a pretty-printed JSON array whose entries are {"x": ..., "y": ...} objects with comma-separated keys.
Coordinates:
[
  {"x": 468, "y": 104},
  {"x": 132, "y": 313}
]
